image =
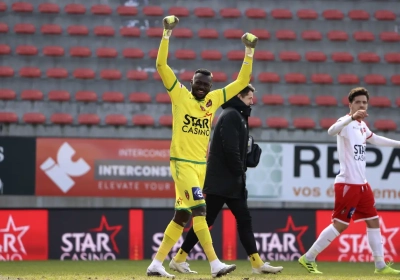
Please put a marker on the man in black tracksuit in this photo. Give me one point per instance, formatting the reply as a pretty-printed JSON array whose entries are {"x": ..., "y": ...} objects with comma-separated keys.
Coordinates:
[{"x": 225, "y": 180}]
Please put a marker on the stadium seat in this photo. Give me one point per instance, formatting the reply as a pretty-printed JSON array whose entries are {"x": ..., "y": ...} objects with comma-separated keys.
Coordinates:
[
  {"x": 333, "y": 14},
  {"x": 182, "y": 33},
  {"x": 110, "y": 74},
  {"x": 345, "y": 101},
  {"x": 307, "y": 14},
  {"x": 88, "y": 119},
  {"x": 26, "y": 50},
  {"x": 321, "y": 78},
  {"x": 368, "y": 57},
  {"x": 8, "y": 117},
  {"x": 80, "y": 51},
  {"x": 208, "y": 33},
  {"x": 49, "y": 8},
  {"x": 59, "y": 95},
  {"x": 285, "y": 35},
  {"x": 255, "y": 13},
  {"x": 24, "y": 28},
  {"x": 268, "y": 77},
  {"x": 6, "y": 71},
  {"x": 315, "y": 56},
  {"x": 127, "y": 11},
  {"x": 132, "y": 53},
  {"x": 338, "y": 35},
  {"x": 311, "y": 35},
  {"x": 51, "y": 29},
  {"x": 107, "y": 31},
  {"x": 143, "y": 120},
  {"x": 363, "y": 36},
  {"x": 204, "y": 12},
  {"x": 3, "y": 27},
  {"x": 212, "y": 55},
  {"x": 129, "y": 31},
  {"x": 261, "y": 34},
  {"x": 61, "y": 118},
  {"x": 165, "y": 120},
  {"x": 235, "y": 55},
  {"x": 163, "y": 98},
  {"x": 77, "y": 30},
  {"x": 254, "y": 122},
  {"x": 219, "y": 76},
  {"x": 179, "y": 11},
  {"x": 325, "y": 100},
  {"x": 348, "y": 79},
  {"x": 34, "y": 118},
  {"x": 342, "y": 57},
  {"x": 303, "y": 123},
  {"x": 115, "y": 119},
  {"x": 57, "y": 73},
  {"x": 385, "y": 15},
  {"x": 230, "y": 13},
  {"x": 395, "y": 79},
  {"x": 5, "y": 49},
  {"x": 7, "y": 94},
  {"x": 289, "y": 56},
  {"x": 299, "y": 100},
  {"x": 84, "y": 73},
  {"x": 156, "y": 76},
  {"x": 326, "y": 122},
  {"x": 86, "y": 96},
  {"x": 374, "y": 79},
  {"x": 272, "y": 99},
  {"x": 3, "y": 6},
  {"x": 264, "y": 55},
  {"x": 233, "y": 33},
  {"x": 281, "y": 14},
  {"x": 153, "y": 11},
  {"x": 22, "y": 7},
  {"x": 392, "y": 57},
  {"x": 139, "y": 97},
  {"x": 186, "y": 75},
  {"x": 358, "y": 15},
  {"x": 137, "y": 75},
  {"x": 389, "y": 36},
  {"x": 295, "y": 78},
  {"x": 106, "y": 52},
  {"x": 385, "y": 125},
  {"x": 380, "y": 101},
  {"x": 100, "y": 9},
  {"x": 154, "y": 32},
  {"x": 74, "y": 8},
  {"x": 185, "y": 54},
  {"x": 154, "y": 52},
  {"x": 31, "y": 95},
  {"x": 30, "y": 72},
  {"x": 398, "y": 101},
  {"x": 113, "y": 96},
  {"x": 277, "y": 122}
]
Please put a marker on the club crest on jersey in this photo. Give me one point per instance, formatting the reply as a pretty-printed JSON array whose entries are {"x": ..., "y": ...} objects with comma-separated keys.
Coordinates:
[
  {"x": 187, "y": 194},
  {"x": 209, "y": 103},
  {"x": 362, "y": 129}
]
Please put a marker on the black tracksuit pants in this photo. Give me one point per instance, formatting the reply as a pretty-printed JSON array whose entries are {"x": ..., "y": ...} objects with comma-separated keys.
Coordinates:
[{"x": 239, "y": 209}]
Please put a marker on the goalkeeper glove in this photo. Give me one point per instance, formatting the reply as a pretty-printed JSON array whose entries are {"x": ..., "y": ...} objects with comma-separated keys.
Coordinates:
[
  {"x": 250, "y": 41},
  {"x": 169, "y": 23}
]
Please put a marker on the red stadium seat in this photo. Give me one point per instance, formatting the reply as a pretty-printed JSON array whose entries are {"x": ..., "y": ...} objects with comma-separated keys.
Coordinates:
[
  {"x": 185, "y": 54},
  {"x": 49, "y": 8},
  {"x": 59, "y": 95},
  {"x": 74, "y": 8},
  {"x": 110, "y": 74},
  {"x": 3, "y": 6},
  {"x": 127, "y": 11},
  {"x": 137, "y": 75},
  {"x": 315, "y": 57},
  {"x": 8, "y": 117},
  {"x": 392, "y": 57},
  {"x": 86, "y": 96},
  {"x": 132, "y": 53},
  {"x": 57, "y": 73},
  {"x": 235, "y": 55},
  {"x": 208, "y": 33},
  {"x": 299, "y": 100},
  {"x": 179, "y": 11},
  {"x": 140, "y": 97},
  {"x": 285, "y": 35},
  {"x": 80, "y": 51},
  {"x": 31, "y": 95},
  {"x": 24, "y": 28},
  {"x": 395, "y": 79},
  {"x": 338, "y": 35},
  {"x": 325, "y": 100},
  {"x": 113, "y": 96},
  {"x": 230, "y": 13},
  {"x": 143, "y": 120},
  {"x": 321, "y": 78},
  {"x": 34, "y": 118},
  {"x": 186, "y": 76},
  {"x": 182, "y": 33},
  {"x": 281, "y": 14},
  {"x": 255, "y": 13},
  {"x": 385, "y": 15},
  {"x": 368, "y": 57},
  {"x": 272, "y": 99},
  {"x": 358, "y": 15},
  {"x": 84, "y": 73},
  {"x": 3, "y": 27},
  {"x": 163, "y": 98},
  {"x": 22, "y": 7},
  {"x": 261, "y": 34},
  {"x": 303, "y": 123},
  {"x": 211, "y": 55},
  {"x": 333, "y": 14},
  {"x": 155, "y": 11},
  {"x": 398, "y": 101},
  {"x": 264, "y": 55},
  {"x": 5, "y": 49},
  {"x": 165, "y": 120},
  {"x": 61, "y": 118},
  {"x": 385, "y": 125},
  {"x": 51, "y": 29},
  {"x": 219, "y": 76},
  {"x": 7, "y": 94},
  {"x": 268, "y": 77},
  {"x": 342, "y": 57},
  {"x": 154, "y": 32},
  {"x": 307, "y": 14},
  {"x": 375, "y": 79},
  {"x": 327, "y": 122},
  {"x": 6, "y": 71},
  {"x": 107, "y": 31},
  {"x": 363, "y": 36},
  {"x": 107, "y": 52},
  {"x": 233, "y": 33},
  {"x": 277, "y": 122},
  {"x": 254, "y": 122},
  {"x": 88, "y": 119},
  {"x": 311, "y": 35},
  {"x": 116, "y": 119},
  {"x": 295, "y": 78},
  {"x": 101, "y": 9},
  {"x": 380, "y": 101},
  {"x": 156, "y": 76},
  {"x": 77, "y": 30},
  {"x": 153, "y": 53},
  {"x": 348, "y": 79},
  {"x": 204, "y": 12},
  {"x": 129, "y": 31},
  {"x": 289, "y": 56},
  {"x": 30, "y": 72},
  {"x": 389, "y": 36}
]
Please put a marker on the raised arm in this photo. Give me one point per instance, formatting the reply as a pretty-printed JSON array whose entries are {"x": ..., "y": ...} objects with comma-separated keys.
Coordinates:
[
  {"x": 383, "y": 141},
  {"x": 167, "y": 75},
  {"x": 339, "y": 125}
]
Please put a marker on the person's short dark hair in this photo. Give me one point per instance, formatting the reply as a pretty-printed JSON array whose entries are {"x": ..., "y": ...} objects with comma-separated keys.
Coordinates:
[
  {"x": 357, "y": 92},
  {"x": 204, "y": 72},
  {"x": 244, "y": 92}
]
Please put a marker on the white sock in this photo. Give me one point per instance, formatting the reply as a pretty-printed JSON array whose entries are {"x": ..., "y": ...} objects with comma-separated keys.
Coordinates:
[
  {"x": 324, "y": 239},
  {"x": 156, "y": 263},
  {"x": 215, "y": 263},
  {"x": 376, "y": 244}
]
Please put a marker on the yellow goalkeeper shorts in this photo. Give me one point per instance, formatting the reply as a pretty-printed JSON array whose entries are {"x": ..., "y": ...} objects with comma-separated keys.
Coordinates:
[{"x": 189, "y": 180}]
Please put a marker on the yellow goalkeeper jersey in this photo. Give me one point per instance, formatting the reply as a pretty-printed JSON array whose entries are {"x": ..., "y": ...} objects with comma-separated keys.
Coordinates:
[{"x": 192, "y": 118}]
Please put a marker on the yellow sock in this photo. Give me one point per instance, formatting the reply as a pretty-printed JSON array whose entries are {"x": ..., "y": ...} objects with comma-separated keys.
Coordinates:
[
  {"x": 171, "y": 236},
  {"x": 256, "y": 261},
  {"x": 180, "y": 256},
  {"x": 200, "y": 227}
]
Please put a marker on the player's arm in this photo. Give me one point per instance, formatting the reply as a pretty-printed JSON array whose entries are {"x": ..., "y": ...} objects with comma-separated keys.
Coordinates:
[
  {"x": 382, "y": 141},
  {"x": 230, "y": 143},
  {"x": 337, "y": 127},
  {"x": 167, "y": 75}
]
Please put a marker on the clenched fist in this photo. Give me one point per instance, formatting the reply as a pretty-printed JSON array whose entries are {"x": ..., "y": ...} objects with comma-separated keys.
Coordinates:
[
  {"x": 249, "y": 40},
  {"x": 170, "y": 22},
  {"x": 359, "y": 115}
]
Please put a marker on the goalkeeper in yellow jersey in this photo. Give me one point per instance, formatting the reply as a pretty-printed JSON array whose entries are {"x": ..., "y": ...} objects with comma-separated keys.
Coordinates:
[{"x": 193, "y": 112}]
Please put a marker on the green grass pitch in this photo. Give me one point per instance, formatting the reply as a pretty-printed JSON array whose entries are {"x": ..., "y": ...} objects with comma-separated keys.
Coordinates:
[{"x": 129, "y": 270}]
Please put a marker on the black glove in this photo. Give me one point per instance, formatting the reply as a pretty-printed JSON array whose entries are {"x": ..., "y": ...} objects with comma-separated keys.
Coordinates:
[{"x": 253, "y": 153}]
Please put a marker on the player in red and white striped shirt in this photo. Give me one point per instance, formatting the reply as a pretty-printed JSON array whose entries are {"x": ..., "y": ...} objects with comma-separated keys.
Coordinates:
[{"x": 354, "y": 198}]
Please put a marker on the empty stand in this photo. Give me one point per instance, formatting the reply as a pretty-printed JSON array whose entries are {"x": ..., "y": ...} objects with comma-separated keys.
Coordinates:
[
  {"x": 88, "y": 119},
  {"x": 272, "y": 99},
  {"x": 61, "y": 118},
  {"x": 255, "y": 13},
  {"x": 165, "y": 120},
  {"x": 326, "y": 122},
  {"x": 143, "y": 120},
  {"x": 8, "y": 117},
  {"x": 59, "y": 95},
  {"x": 140, "y": 97},
  {"x": 277, "y": 122},
  {"x": 113, "y": 96},
  {"x": 34, "y": 118},
  {"x": 303, "y": 123},
  {"x": 49, "y": 8},
  {"x": 281, "y": 14},
  {"x": 32, "y": 95},
  {"x": 116, "y": 119},
  {"x": 230, "y": 13},
  {"x": 7, "y": 94},
  {"x": 86, "y": 96},
  {"x": 385, "y": 125},
  {"x": 179, "y": 11}
]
